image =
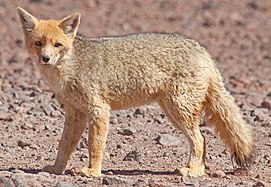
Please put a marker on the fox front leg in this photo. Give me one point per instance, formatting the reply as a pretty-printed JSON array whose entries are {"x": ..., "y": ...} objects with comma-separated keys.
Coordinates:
[
  {"x": 75, "y": 124},
  {"x": 98, "y": 131}
]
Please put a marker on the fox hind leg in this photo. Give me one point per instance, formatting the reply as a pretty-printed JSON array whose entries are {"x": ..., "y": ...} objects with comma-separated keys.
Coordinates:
[{"x": 186, "y": 117}]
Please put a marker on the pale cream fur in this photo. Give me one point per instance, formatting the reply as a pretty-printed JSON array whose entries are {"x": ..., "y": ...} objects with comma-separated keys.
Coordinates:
[{"x": 93, "y": 76}]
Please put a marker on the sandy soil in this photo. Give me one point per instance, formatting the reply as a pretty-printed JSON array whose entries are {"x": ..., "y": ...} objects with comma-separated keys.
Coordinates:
[{"x": 236, "y": 33}]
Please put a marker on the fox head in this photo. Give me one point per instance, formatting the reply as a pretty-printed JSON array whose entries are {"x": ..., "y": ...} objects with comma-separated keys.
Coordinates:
[{"x": 50, "y": 40}]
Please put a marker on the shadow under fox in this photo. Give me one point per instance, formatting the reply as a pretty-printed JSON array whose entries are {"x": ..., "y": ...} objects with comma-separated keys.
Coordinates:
[{"x": 92, "y": 76}]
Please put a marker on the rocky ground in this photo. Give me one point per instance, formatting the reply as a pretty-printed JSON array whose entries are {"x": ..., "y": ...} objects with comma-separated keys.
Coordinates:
[{"x": 143, "y": 148}]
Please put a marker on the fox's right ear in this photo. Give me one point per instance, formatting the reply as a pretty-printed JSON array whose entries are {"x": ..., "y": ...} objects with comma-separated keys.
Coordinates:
[{"x": 27, "y": 20}]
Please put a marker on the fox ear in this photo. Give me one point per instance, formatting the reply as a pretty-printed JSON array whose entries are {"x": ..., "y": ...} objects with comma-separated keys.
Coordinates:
[
  {"x": 70, "y": 24},
  {"x": 27, "y": 20}
]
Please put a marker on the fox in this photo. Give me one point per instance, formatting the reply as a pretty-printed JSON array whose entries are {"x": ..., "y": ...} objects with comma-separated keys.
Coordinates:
[{"x": 93, "y": 76}]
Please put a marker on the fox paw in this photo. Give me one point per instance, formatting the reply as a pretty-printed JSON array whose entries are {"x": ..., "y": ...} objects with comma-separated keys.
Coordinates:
[
  {"x": 88, "y": 172},
  {"x": 192, "y": 172},
  {"x": 52, "y": 170}
]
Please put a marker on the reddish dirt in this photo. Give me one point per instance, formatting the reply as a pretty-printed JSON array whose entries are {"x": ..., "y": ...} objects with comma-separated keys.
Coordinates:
[{"x": 237, "y": 35}]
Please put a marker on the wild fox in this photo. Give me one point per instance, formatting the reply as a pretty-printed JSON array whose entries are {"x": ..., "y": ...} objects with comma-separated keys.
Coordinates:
[{"x": 92, "y": 76}]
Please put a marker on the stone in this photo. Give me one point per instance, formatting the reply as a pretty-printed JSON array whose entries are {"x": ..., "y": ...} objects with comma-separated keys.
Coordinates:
[
  {"x": 126, "y": 131},
  {"x": 113, "y": 120},
  {"x": 47, "y": 109},
  {"x": 266, "y": 104},
  {"x": 255, "y": 4},
  {"x": 44, "y": 174},
  {"x": 17, "y": 171},
  {"x": 33, "y": 183},
  {"x": 191, "y": 181},
  {"x": 240, "y": 172},
  {"x": 237, "y": 18},
  {"x": 232, "y": 185},
  {"x": 218, "y": 174},
  {"x": 5, "y": 182},
  {"x": 106, "y": 156},
  {"x": 168, "y": 140},
  {"x": 258, "y": 114},
  {"x": 55, "y": 113},
  {"x": 83, "y": 143},
  {"x": 83, "y": 157},
  {"x": 65, "y": 184},
  {"x": 139, "y": 111},
  {"x": 259, "y": 184},
  {"x": 132, "y": 156},
  {"x": 27, "y": 126},
  {"x": 21, "y": 180},
  {"x": 6, "y": 118},
  {"x": 266, "y": 124},
  {"x": 52, "y": 157},
  {"x": 160, "y": 119},
  {"x": 116, "y": 181},
  {"x": 23, "y": 144}
]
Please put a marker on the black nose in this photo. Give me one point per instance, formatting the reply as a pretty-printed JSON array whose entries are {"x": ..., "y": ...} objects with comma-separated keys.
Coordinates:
[{"x": 45, "y": 58}]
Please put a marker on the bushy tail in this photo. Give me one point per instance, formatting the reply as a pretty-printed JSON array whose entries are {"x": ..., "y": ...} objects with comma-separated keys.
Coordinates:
[{"x": 222, "y": 112}]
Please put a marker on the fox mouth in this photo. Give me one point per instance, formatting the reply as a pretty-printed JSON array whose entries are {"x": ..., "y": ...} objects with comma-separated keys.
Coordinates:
[{"x": 46, "y": 65}]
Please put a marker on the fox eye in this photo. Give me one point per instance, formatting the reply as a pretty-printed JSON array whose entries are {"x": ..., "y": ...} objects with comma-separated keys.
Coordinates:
[
  {"x": 38, "y": 43},
  {"x": 57, "y": 45}
]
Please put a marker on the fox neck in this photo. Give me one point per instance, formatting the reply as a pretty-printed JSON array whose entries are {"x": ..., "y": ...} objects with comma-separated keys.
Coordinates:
[{"x": 59, "y": 75}]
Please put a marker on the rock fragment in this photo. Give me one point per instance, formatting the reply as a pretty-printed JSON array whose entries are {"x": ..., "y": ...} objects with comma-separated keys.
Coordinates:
[
  {"x": 116, "y": 181},
  {"x": 23, "y": 144},
  {"x": 6, "y": 182},
  {"x": 132, "y": 156},
  {"x": 65, "y": 184},
  {"x": 168, "y": 140},
  {"x": 126, "y": 131}
]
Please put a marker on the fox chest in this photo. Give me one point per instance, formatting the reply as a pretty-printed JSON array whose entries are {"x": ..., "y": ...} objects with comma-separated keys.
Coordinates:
[{"x": 72, "y": 97}]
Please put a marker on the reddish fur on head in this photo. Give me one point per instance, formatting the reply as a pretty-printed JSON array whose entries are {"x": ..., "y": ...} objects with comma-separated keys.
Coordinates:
[{"x": 55, "y": 37}]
